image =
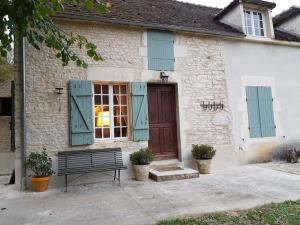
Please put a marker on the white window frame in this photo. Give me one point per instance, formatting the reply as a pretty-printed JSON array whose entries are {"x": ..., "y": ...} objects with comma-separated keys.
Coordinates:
[
  {"x": 111, "y": 112},
  {"x": 252, "y": 23}
]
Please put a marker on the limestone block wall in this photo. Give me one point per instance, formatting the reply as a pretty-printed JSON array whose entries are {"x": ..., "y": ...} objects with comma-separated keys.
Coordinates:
[
  {"x": 199, "y": 75},
  {"x": 5, "y": 134}
]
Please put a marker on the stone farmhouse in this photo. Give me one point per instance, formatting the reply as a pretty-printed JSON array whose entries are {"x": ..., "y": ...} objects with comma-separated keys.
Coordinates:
[{"x": 225, "y": 77}]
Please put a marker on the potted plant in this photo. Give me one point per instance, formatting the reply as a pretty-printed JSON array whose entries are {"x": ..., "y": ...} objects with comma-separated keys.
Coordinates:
[
  {"x": 203, "y": 155},
  {"x": 141, "y": 163},
  {"x": 40, "y": 165}
]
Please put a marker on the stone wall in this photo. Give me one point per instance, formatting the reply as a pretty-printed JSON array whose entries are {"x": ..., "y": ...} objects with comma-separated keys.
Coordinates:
[
  {"x": 5, "y": 87},
  {"x": 199, "y": 74}
]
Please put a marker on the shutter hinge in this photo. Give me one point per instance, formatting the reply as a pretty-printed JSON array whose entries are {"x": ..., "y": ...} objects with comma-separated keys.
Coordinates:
[
  {"x": 246, "y": 99},
  {"x": 249, "y": 128},
  {"x": 174, "y": 59},
  {"x": 272, "y": 99},
  {"x": 275, "y": 127}
]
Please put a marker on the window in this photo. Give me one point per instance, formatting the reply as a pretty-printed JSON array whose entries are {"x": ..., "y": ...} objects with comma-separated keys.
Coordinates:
[
  {"x": 160, "y": 51},
  {"x": 260, "y": 112},
  {"x": 254, "y": 24},
  {"x": 5, "y": 106},
  {"x": 111, "y": 111}
]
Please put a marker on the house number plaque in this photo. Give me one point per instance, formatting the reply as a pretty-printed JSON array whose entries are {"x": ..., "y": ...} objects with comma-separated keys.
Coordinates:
[{"x": 212, "y": 106}]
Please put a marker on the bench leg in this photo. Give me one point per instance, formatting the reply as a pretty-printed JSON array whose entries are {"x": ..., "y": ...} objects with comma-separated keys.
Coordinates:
[
  {"x": 119, "y": 177},
  {"x": 66, "y": 183},
  {"x": 115, "y": 176}
]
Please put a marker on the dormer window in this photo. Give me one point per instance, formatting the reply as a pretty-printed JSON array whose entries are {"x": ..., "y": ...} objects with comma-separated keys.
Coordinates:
[{"x": 254, "y": 24}]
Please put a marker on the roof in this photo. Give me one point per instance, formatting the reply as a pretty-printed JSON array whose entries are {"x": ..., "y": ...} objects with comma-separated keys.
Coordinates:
[
  {"x": 270, "y": 5},
  {"x": 284, "y": 36},
  {"x": 166, "y": 15},
  {"x": 158, "y": 14},
  {"x": 286, "y": 15}
]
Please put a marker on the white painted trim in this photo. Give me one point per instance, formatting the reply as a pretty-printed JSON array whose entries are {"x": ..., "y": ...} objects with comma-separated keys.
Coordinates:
[
  {"x": 242, "y": 108},
  {"x": 111, "y": 113},
  {"x": 252, "y": 22}
]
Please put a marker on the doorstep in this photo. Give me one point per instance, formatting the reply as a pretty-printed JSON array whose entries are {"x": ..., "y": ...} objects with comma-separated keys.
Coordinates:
[{"x": 171, "y": 171}]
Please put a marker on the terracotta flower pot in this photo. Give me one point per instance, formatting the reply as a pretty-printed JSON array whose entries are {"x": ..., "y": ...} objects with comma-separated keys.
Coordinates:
[
  {"x": 203, "y": 165},
  {"x": 39, "y": 184},
  {"x": 141, "y": 172}
]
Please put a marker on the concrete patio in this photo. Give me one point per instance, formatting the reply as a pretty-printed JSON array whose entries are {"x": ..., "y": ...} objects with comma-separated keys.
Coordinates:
[{"x": 106, "y": 203}]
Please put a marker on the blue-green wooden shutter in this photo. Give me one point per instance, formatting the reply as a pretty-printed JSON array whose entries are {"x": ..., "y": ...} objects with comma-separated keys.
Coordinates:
[
  {"x": 253, "y": 112},
  {"x": 266, "y": 112},
  {"x": 160, "y": 50},
  {"x": 140, "y": 122},
  {"x": 81, "y": 112}
]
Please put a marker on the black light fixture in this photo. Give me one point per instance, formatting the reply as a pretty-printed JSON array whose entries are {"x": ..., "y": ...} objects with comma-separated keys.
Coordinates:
[
  {"x": 58, "y": 91},
  {"x": 164, "y": 77}
]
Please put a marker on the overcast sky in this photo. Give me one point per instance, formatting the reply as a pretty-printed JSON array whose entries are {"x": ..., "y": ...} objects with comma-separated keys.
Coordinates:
[{"x": 281, "y": 4}]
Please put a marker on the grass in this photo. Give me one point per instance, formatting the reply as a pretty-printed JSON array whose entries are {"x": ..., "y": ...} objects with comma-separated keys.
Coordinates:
[{"x": 287, "y": 213}]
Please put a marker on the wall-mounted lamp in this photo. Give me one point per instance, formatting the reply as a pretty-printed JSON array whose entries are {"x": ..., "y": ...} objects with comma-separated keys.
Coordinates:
[
  {"x": 164, "y": 77},
  {"x": 58, "y": 91}
]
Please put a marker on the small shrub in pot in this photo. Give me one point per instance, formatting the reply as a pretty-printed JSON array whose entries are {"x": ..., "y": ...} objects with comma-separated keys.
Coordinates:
[
  {"x": 203, "y": 155},
  {"x": 141, "y": 163},
  {"x": 40, "y": 164}
]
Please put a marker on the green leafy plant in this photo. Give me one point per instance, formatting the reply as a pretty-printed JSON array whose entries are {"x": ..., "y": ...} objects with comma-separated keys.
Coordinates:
[
  {"x": 40, "y": 164},
  {"x": 203, "y": 151},
  {"x": 142, "y": 157},
  {"x": 33, "y": 19}
]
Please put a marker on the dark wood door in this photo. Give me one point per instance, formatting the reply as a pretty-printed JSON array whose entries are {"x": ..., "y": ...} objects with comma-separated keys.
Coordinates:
[{"x": 162, "y": 121}]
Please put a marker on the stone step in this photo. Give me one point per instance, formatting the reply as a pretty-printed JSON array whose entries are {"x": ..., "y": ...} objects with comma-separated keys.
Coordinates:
[{"x": 169, "y": 172}]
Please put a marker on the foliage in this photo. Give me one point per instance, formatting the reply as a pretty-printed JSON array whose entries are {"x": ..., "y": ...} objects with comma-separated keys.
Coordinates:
[
  {"x": 142, "y": 157},
  {"x": 5, "y": 70},
  {"x": 33, "y": 19},
  {"x": 287, "y": 213},
  {"x": 203, "y": 151},
  {"x": 40, "y": 164}
]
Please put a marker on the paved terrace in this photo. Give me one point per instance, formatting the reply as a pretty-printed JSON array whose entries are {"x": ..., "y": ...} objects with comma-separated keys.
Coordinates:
[{"x": 106, "y": 203}]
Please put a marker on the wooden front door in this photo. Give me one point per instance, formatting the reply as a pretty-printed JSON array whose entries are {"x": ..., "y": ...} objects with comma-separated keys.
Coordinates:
[{"x": 162, "y": 121}]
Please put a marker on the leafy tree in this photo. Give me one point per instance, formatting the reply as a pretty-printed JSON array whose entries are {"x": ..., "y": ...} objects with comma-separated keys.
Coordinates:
[{"x": 33, "y": 19}]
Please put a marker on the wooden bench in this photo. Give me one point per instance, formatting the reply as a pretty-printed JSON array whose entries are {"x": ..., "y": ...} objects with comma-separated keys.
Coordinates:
[{"x": 90, "y": 161}]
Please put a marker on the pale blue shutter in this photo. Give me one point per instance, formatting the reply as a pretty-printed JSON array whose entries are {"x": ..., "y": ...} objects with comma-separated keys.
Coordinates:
[
  {"x": 266, "y": 112},
  {"x": 160, "y": 50},
  {"x": 81, "y": 112},
  {"x": 253, "y": 112},
  {"x": 140, "y": 123}
]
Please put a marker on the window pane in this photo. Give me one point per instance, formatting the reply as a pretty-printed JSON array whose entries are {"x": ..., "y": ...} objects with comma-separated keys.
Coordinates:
[
  {"x": 262, "y": 32},
  {"x": 117, "y": 121},
  {"x": 103, "y": 107},
  {"x": 124, "y": 132},
  {"x": 105, "y": 100},
  {"x": 97, "y": 88},
  {"x": 98, "y": 133},
  {"x": 106, "y": 133},
  {"x": 124, "y": 110},
  {"x": 124, "y": 100},
  {"x": 117, "y": 132},
  {"x": 257, "y": 32},
  {"x": 98, "y": 100},
  {"x": 249, "y": 30},
  {"x": 123, "y": 89},
  {"x": 116, "y": 89},
  {"x": 117, "y": 110},
  {"x": 256, "y": 23},
  {"x": 261, "y": 24},
  {"x": 104, "y": 89},
  {"x": 117, "y": 100},
  {"x": 124, "y": 121}
]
